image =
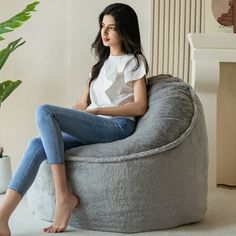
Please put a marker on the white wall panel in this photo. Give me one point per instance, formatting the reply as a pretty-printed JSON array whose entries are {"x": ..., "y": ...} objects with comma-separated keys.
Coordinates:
[{"x": 172, "y": 20}]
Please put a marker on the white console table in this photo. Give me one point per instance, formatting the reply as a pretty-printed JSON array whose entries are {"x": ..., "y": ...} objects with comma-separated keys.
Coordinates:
[{"x": 207, "y": 51}]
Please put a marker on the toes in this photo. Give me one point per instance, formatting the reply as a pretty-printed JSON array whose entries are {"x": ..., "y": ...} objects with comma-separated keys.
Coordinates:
[
  {"x": 54, "y": 229},
  {"x": 49, "y": 229},
  {"x": 61, "y": 229},
  {"x": 46, "y": 229}
]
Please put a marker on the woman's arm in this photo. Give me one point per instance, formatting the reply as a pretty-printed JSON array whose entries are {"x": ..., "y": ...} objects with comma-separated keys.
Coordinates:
[
  {"x": 82, "y": 104},
  {"x": 136, "y": 108}
]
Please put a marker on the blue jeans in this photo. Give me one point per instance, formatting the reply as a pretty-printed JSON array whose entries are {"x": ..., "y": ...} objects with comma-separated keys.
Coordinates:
[{"x": 61, "y": 129}]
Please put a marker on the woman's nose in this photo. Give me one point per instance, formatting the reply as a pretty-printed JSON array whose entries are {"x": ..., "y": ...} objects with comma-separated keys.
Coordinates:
[{"x": 105, "y": 32}]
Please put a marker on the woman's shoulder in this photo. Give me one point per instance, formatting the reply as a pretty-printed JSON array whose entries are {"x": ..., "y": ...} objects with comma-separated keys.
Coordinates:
[
  {"x": 135, "y": 68},
  {"x": 135, "y": 61}
]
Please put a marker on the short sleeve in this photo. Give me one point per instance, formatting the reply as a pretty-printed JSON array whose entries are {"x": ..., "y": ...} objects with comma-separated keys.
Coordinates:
[{"x": 130, "y": 74}]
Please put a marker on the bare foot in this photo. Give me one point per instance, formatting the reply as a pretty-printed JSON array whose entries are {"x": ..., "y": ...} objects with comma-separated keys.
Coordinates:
[
  {"x": 4, "y": 229},
  {"x": 62, "y": 215}
]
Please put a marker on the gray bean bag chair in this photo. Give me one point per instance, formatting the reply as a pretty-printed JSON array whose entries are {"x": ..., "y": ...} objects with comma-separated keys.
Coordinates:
[{"x": 154, "y": 179}]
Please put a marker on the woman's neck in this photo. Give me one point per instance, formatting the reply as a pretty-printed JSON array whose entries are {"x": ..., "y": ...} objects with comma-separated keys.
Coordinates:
[{"x": 116, "y": 52}]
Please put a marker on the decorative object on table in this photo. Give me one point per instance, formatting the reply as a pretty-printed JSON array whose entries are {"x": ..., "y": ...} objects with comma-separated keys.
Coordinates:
[{"x": 222, "y": 17}]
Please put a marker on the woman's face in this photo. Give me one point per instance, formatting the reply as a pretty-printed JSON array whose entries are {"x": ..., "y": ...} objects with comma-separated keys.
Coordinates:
[{"x": 110, "y": 37}]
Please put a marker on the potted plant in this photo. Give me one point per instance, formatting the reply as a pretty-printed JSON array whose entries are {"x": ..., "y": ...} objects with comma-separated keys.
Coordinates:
[
  {"x": 5, "y": 171},
  {"x": 8, "y": 86}
]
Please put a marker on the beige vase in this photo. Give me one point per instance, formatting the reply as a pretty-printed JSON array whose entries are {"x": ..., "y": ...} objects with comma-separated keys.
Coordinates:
[{"x": 5, "y": 173}]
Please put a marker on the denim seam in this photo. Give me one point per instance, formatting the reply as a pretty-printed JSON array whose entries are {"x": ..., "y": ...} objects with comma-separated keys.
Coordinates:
[{"x": 50, "y": 116}]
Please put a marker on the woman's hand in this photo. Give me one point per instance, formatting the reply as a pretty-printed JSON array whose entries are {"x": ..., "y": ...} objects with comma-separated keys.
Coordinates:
[
  {"x": 78, "y": 107},
  {"x": 82, "y": 104},
  {"x": 93, "y": 111}
]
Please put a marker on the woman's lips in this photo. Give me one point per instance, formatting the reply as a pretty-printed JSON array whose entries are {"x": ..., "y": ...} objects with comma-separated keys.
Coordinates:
[{"x": 106, "y": 39}]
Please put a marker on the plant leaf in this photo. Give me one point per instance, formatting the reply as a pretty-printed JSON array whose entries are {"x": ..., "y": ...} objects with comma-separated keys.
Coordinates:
[
  {"x": 17, "y": 20},
  {"x": 31, "y": 7},
  {"x": 7, "y": 87},
  {"x": 5, "y": 53}
]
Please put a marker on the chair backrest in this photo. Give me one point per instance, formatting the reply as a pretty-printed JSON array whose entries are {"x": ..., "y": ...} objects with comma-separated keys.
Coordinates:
[{"x": 170, "y": 112}]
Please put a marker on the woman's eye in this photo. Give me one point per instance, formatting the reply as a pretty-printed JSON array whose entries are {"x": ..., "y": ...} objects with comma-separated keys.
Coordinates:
[
  {"x": 109, "y": 27},
  {"x": 112, "y": 28}
]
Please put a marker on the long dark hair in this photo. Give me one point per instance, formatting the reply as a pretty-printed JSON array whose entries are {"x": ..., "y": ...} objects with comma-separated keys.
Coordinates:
[{"x": 127, "y": 27}]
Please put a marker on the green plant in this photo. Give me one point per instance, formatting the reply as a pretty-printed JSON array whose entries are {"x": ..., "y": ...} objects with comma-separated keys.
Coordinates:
[{"x": 8, "y": 86}]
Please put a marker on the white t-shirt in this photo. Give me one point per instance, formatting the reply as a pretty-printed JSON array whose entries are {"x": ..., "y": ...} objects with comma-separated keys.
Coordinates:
[{"x": 114, "y": 84}]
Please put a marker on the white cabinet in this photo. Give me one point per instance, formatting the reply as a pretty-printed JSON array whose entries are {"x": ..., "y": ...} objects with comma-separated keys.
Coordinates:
[{"x": 207, "y": 52}]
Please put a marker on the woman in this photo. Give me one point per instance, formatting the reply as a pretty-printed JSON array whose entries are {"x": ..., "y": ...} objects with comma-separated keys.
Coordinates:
[{"x": 115, "y": 95}]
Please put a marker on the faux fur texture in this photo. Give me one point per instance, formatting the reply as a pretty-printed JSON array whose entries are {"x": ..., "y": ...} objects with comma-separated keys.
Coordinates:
[{"x": 154, "y": 179}]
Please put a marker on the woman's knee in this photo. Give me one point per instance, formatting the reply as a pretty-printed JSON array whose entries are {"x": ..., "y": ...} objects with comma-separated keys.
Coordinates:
[
  {"x": 35, "y": 144},
  {"x": 35, "y": 149},
  {"x": 42, "y": 112}
]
